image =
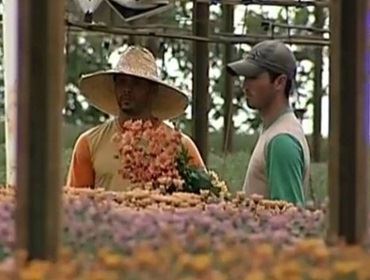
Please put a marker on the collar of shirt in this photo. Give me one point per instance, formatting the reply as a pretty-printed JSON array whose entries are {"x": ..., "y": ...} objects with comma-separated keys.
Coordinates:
[{"x": 283, "y": 112}]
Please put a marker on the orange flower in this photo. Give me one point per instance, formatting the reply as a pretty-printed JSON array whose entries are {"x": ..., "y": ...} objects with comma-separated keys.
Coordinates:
[{"x": 149, "y": 152}]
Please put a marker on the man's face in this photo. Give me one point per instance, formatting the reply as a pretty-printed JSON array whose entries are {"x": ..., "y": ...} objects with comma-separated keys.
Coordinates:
[
  {"x": 133, "y": 94},
  {"x": 259, "y": 91}
]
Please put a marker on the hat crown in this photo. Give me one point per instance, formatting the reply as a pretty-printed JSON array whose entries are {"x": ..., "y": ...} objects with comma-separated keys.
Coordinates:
[
  {"x": 274, "y": 55},
  {"x": 137, "y": 61}
]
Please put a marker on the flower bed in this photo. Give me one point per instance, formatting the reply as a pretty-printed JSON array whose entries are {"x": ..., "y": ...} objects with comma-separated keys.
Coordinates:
[{"x": 146, "y": 235}]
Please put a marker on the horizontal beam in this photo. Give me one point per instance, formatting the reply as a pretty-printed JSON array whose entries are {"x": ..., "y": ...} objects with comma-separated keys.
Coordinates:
[
  {"x": 181, "y": 35},
  {"x": 272, "y": 24},
  {"x": 284, "y": 3}
]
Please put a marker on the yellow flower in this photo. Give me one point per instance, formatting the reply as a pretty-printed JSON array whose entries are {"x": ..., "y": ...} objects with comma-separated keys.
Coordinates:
[
  {"x": 146, "y": 257},
  {"x": 306, "y": 246},
  {"x": 201, "y": 263},
  {"x": 255, "y": 275},
  {"x": 346, "y": 267},
  {"x": 287, "y": 270},
  {"x": 363, "y": 273},
  {"x": 102, "y": 275},
  {"x": 68, "y": 270},
  {"x": 112, "y": 261},
  {"x": 65, "y": 254},
  {"x": 321, "y": 253},
  {"x": 35, "y": 271},
  {"x": 354, "y": 251},
  {"x": 264, "y": 251},
  {"x": 227, "y": 257},
  {"x": 103, "y": 252},
  {"x": 182, "y": 261},
  {"x": 320, "y": 274}
]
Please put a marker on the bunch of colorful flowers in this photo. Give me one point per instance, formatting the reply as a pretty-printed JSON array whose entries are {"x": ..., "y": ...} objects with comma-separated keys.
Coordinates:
[
  {"x": 145, "y": 234},
  {"x": 153, "y": 157}
]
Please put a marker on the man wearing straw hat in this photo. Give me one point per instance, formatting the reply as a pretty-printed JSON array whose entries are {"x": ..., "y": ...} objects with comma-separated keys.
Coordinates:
[
  {"x": 130, "y": 91},
  {"x": 280, "y": 163}
]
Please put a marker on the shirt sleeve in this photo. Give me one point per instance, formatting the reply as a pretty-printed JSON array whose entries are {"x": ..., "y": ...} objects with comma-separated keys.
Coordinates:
[
  {"x": 81, "y": 172},
  {"x": 285, "y": 169},
  {"x": 195, "y": 157}
]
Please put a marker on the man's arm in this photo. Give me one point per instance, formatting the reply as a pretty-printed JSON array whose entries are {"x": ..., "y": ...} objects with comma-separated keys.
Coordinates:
[
  {"x": 285, "y": 169},
  {"x": 195, "y": 157},
  {"x": 81, "y": 172}
]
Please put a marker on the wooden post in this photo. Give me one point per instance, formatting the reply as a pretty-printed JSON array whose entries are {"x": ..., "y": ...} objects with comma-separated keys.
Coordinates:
[
  {"x": 200, "y": 106},
  {"x": 318, "y": 91},
  {"x": 228, "y": 17},
  {"x": 10, "y": 62},
  {"x": 349, "y": 121},
  {"x": 40, "y": 72}
]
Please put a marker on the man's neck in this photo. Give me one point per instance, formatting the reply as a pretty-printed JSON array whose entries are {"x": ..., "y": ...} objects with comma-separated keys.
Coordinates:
[
  {"x": 270, "y": 114},
  {"x": 143, "y": 116}
]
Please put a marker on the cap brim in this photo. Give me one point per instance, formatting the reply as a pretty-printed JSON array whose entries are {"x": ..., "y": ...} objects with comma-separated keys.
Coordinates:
[{"x": 244, "y": 68}]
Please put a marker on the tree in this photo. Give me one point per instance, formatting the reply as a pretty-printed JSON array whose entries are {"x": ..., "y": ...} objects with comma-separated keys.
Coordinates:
[{"x": 90, "y": 52}]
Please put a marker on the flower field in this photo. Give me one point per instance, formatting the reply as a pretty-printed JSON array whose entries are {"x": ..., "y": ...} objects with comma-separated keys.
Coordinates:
[{"x": 143, "y": 234}]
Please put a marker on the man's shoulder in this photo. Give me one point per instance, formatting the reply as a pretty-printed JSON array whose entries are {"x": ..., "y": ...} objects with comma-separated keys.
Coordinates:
[
  {"x": 104, "y": 129},
  {"x": 285, "y": 142},
  {"x": 288, "y": 126}
]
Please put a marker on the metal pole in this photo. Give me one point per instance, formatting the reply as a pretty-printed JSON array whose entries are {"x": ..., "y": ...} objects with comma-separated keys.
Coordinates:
[
  {"x": 200, "y": 106},
  {"x": 228, "y": 16},
  {"x": 184, "y": 35},
  {"x": 349, "y": 121},
  {"x": 318, "y": 91},
  {"x": 40, "y": 91},
  {"x": 10, "y": 62}
]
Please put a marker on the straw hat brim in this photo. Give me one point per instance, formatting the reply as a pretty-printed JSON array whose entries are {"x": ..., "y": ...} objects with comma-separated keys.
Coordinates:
[{"x": 98, "y": 88}]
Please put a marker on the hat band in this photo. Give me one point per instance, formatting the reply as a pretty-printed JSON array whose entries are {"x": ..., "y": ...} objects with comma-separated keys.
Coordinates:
[{"x": 271, "y": 66}]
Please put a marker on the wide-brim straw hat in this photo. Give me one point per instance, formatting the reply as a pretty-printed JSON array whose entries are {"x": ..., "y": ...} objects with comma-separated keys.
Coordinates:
[{"x": 98, "y": 88}]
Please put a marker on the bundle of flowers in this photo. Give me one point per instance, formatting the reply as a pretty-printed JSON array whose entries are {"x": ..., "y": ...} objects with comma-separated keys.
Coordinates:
[{"x": 154, "y": 157}]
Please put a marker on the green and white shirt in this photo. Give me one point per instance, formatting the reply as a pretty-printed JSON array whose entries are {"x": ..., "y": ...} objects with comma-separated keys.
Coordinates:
[{"x": 280, "y": 164}]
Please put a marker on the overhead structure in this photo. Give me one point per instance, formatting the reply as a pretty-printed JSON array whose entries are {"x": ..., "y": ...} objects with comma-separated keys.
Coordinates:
[
  {"x": 115, "y": 12},
  {"x": 41, "y": 85},
  {"x": 283, "y": 3},
  {"x": 175, "y": 33}
]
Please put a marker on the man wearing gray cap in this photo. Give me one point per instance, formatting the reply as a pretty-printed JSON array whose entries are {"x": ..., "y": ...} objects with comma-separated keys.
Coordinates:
[{"x": 280, "y": 163}]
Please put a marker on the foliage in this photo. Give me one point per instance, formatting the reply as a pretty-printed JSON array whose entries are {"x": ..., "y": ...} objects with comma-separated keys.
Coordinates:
[
  {"x": 90, "y": 52},
  {"x": 175, "y": 57},
  {"x": 84, "y": 54},
  {"x": 198, "y": 179}
]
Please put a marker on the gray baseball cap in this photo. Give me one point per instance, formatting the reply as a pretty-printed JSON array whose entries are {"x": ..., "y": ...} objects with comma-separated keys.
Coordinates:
[{"x": 270, "y": 55}]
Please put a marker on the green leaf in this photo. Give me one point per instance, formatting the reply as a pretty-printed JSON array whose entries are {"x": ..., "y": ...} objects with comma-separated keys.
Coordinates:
[{"x": 301, "y": 16}]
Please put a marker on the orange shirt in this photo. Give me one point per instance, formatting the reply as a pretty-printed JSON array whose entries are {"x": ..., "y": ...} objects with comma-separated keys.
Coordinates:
[{"x": 95, "y": 161}]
